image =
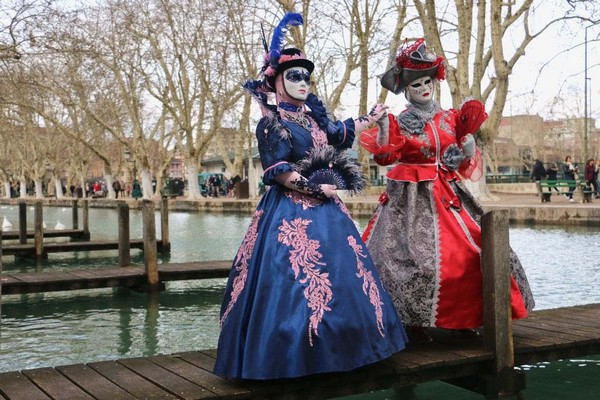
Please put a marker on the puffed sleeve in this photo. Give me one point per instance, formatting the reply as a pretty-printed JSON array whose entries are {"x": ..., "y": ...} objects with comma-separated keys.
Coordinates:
[
  {"x": 388, "y": 153},
  {"x": 340, "y": 134},
  {"x": 274, "y": 148}
]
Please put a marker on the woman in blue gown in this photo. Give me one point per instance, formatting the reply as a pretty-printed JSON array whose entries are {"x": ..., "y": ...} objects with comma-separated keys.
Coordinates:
[{"x": 303, "y": 295}]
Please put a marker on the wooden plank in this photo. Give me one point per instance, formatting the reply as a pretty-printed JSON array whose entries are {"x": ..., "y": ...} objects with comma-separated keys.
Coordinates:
[
  {"x": 53, "y": 233},
  {"x": 199, "y": 359},
  {"x": 213, "y": 383},
  {"x": 16, "y": 386},
  {"x": 94, "y": 383},
  {"x": 135, "y": 384},
  {"x": 55, "y": 384},
  {"x": 167, "y": 380}
]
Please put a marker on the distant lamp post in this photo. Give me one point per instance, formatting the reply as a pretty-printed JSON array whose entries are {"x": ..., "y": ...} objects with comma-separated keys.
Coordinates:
[
  {"x": 129, "y": 159},
  {"x": 136, "y": 190},
  {"x": 585, "y": 89}
]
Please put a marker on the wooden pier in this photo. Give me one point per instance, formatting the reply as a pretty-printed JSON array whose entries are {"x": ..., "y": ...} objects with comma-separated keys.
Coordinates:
[
  {"x": 80, "y": 239},
  {"x": 128, "y": 277},
  {"x": 545, "y": 336},
  {"x": 73, "y": 234},
  {"x": 485, "y": 365}
]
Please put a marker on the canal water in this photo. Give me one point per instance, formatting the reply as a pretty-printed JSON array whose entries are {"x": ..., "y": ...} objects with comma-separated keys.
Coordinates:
[{"x": 49, "y": 329}]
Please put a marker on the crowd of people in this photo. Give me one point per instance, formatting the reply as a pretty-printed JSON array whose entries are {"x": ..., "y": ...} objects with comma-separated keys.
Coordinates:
[{"x": 570, "y": 172}]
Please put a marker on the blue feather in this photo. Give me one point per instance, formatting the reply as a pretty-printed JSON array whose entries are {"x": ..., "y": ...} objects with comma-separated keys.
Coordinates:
[{"x": 293, "y": 19}]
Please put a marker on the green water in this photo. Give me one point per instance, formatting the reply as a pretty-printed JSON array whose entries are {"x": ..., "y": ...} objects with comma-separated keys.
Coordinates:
[{"x": 49, "y": 329}]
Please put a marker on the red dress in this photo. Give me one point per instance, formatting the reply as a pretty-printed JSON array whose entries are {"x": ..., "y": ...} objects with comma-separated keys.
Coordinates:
[{"x": 425, "y": 235}]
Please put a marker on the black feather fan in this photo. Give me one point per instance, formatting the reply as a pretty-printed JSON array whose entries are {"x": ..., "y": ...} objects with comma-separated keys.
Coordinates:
[{"x": 326, "y": 165}]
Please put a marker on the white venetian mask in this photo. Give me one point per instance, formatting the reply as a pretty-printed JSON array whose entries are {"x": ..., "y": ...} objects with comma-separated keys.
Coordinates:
[
  {"x": 421, "y": 90},
  {"x": 296, "y": 81}
]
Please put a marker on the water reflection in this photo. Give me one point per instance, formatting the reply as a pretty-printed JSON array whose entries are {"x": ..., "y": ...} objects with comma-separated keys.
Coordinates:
[{"x": 47, "y": 329}]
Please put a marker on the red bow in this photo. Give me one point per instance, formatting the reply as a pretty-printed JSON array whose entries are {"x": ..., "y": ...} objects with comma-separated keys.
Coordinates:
[
  {"x": 383, "y": 198},
  {"x": 453, "y": 202}
]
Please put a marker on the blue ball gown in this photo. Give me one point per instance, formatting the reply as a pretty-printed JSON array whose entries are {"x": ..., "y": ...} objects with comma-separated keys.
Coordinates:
[{"x": 303, "y": 295}]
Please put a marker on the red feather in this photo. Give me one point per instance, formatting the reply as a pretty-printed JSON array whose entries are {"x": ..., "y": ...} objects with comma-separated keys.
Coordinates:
[{"x": 472, "y": 115}]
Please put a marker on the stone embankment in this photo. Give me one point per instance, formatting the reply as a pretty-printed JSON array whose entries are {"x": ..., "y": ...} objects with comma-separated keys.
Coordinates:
[{"x": 524, "y": 207}]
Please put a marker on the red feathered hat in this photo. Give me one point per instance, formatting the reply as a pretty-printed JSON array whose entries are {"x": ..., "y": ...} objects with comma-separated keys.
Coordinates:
[{"x": 413, "y": 62}]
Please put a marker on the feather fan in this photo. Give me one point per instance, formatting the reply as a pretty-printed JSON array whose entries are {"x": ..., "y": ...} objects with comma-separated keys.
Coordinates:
[
  {"x": 326, "y": 165},
  {"x": 472, "y": 115}
]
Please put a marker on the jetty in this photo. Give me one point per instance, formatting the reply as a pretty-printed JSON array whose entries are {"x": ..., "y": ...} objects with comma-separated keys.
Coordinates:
[
  {"x": 80, "y": 238},
  {"x": 544, "y": 336},
  {"x": 485, "y": 364},
  {"x": 132, "y": 277}
]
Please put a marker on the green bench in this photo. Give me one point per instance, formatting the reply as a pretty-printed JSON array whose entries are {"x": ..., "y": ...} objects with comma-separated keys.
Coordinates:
[{"x": 563, "y": 186}]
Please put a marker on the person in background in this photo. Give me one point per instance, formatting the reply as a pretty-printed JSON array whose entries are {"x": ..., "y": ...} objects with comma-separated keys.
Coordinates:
[
  {"x": 303, "y": 296},
  {"x": 116, "y": 187},
  {"x": 425, "y": 236},
  {"x": 591, "y": 175},
  {"x": 552, "y": 174},
  {"x": 597, "y": 169},
  {"x": 570, "y": 174},
  {"x": 538, "y": 172}
]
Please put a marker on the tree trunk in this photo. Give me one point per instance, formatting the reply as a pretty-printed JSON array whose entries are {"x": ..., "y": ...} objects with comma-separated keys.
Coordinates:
[
  {"x": 39, "y": 192},
  {"x": 6, "y": 185},
  {"x": 147, "y": 184},
  {"x": 192, "y": 178},
  {"x": 58, "y": 188}
]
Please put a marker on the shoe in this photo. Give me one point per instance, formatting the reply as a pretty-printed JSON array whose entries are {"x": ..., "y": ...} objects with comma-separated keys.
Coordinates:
[
  {"x": 418, "y": 334},
  {"x": 471, "y": 333},
  {"x": 571, "y": 200}
]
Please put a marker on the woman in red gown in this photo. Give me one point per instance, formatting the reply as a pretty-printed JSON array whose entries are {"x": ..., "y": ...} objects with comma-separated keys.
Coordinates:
[{"x": 425, "y": 235}]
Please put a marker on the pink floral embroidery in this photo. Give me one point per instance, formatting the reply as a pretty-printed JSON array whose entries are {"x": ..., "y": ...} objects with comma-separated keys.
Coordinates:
[
  {"x": 319, "y": 137},
  {"x": 304, "y": 255},
  {"x": 342, "y": 206},
  {"x": 369, "y": 286},
  {"x": 305, "y": 200},
  {"x": 241, "y": 262}
]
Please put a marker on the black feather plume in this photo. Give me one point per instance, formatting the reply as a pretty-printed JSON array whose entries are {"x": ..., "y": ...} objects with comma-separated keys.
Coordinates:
[{"x": 326, "y": 165}]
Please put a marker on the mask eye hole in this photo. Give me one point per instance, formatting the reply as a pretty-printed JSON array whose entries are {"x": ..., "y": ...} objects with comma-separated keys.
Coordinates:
[
  {"x": 416, "y": 85},
  {"x": 296, "y": 76},
  {"x": 427, "y": 82}
]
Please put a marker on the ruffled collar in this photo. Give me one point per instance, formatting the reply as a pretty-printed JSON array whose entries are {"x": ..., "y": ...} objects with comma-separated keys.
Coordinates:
[
  {"x": 416, "y": 115},
  {"x": 424, "y": 111}
]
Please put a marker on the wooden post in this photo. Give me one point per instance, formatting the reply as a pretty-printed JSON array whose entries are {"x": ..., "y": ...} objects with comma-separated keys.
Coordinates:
[
  {"x": 497, "y": 314},
  {"x": 164, "y": 226},
  {"x": 38, "y": 230},
  {"x": 150, "y": 252},
  {"x": 124, "y": 243},
  {"x": 22, "y": 222},
  {"x": 0, "y": 276},
  {"x": 86, "y": 220},
  {"x": 75, "y": 215}
]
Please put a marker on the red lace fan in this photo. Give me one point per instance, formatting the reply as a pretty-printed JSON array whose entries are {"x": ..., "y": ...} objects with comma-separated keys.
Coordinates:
[{"x": 472, "y": 114}]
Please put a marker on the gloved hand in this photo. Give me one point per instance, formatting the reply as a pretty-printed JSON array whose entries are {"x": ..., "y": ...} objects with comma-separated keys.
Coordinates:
[
  {"x": 319, "y": 113},
  {"x": 328, "y": 190},
  {"x": 468, "y": 145},
  {"x": 383, "y": 133},
  {"x": 362, "y": 123}
]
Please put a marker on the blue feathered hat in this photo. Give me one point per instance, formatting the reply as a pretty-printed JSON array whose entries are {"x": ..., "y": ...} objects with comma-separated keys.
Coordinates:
[{"x": 277, "y": 59}]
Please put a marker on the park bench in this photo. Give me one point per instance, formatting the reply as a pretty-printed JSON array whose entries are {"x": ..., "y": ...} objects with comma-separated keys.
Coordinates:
[{"x": 563, "y": 186}]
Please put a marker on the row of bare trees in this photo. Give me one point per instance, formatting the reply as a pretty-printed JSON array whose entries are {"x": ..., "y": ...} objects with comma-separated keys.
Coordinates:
[{"x": 150, "y": 78}]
